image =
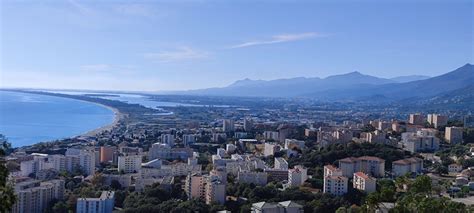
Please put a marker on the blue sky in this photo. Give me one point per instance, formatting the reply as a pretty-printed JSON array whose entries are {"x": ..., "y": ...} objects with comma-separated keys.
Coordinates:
[{"x": 176, "y": 45}]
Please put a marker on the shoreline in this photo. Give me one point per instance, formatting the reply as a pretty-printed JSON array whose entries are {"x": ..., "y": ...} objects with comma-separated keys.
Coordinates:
[{"x": 118, "y": 116}]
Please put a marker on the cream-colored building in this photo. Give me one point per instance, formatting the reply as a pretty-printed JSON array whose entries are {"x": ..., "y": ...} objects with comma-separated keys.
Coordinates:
[
  {"x": 281, "y": 207},
  {"x": 330, "y": 170},
  {"x": 130, "y": 163},
  {"x": 336, "y": 185},
  {"x": 34, "y": 196},
  {"x": 257, "y": 178},
  {"x": 373, "y": 166},
  {"x": 297, "y": 176},
  {"x": 270, "y": 149},
  {"x": 205, "y": 187},
  {"x": 103, "y": 204},
  {"x": 437, "y": 120},
  {"x": 416, "y": 119},
  {"x": 453, "y": 135},
  {"x": 407, "y": 166},
  {"x": 364, "y": 182}
]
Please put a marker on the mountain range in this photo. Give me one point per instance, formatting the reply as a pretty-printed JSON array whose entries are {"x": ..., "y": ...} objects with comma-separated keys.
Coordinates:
[{"x": 349, "y": 86}]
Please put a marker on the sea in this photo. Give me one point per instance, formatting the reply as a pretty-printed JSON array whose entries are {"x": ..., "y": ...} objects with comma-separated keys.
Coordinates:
[{"x": 26, "y": 118}]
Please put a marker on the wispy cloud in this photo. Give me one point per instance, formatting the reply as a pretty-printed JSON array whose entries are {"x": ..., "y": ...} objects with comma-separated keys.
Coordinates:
[
  {"x": 80, "y": 7},
  {"x": 135, "y": 10},
  {"x": 180, "y": 54},
  {"x": 280, "y": 39}
]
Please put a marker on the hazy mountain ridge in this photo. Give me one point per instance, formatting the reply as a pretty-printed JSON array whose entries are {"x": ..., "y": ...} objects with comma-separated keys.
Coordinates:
[
  {"x": 349, "y": 86},
  {"x": 409, "y": 78}
]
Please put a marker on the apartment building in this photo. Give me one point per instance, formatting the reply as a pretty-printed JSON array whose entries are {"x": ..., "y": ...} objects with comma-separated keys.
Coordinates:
[
  {"x": 271, "y": 135},
  {"x": 206, "y": 187},
  {"x": 373, "y": 166},
  {"x": 297, "y": 176},
  {"x": 336, "y": 185},
  {"x": 407, "y": 166},
  {"x": 416, "y": 119},
  {"x": 419, "y": 141},
  {"x": 281, "y": 207},
  {"x": 437, "y": 120},
  {"x": 34, "y": 196},
  {"x": 130, "y": 163},
  {"x": 364, "y": 182},
  {"x": 167, "y": 139},
  {"x": 453, "y": 135},
  {"x": 257, "y": 178},
  {"x": 104, "y": 204}
]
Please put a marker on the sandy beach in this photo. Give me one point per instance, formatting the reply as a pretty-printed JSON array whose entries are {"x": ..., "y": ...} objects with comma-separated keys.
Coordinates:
[{"x": 117, "y": 117}]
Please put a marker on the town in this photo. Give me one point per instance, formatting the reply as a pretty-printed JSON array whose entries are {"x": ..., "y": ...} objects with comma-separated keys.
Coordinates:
[{"x": 263, "y": 157}]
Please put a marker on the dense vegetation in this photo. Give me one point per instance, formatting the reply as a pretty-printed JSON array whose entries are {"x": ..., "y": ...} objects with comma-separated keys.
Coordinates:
[{"x": 7, "y": 196}]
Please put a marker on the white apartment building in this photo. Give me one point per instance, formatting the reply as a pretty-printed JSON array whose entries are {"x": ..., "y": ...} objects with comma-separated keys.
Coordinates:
[
  {"x": 407, "y": 166},
  {"x": 205, "y": 187},
  {"x": 330, "y": 170},
  {"x": 218, "y": 136},
  {"x": 419, "y": 141},
  {"x": 336, "y": 185},
  {"x": 416, "y": 119},
  {"x": 257, "y": 178},
  {"x": 280, "y": 164},
  {"x": 215, "y": 191},
  {"x": 189, "y": 139},
  {"x": 373, "y": 166},
  {"x": 228, "y": 125},
  {"x": 373, "y": 137},
  {"x": 437, "y": 120},
  {"x": 364, "y": 182},
  {"x": 82, "y": 157},
  {"x": 164, "y": 151},
  {"x": 270, "y": 149},
  {"x": 297, "y": 176},
  {"x": 104, "y": 204},
  {"x": 167, "y": 139},
  {"x": 34, "y": 196},
  {"x": 453, "y": 135},
  {"x": 271, "y": 135},
  {"x": 130, "y": 163},
  {"x": 281, "y": 207},
  {"x": 248, "y": 124}
]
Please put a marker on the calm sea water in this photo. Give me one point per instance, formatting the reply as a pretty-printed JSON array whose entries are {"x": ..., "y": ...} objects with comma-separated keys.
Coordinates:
[{"x": 26, "y": 119}]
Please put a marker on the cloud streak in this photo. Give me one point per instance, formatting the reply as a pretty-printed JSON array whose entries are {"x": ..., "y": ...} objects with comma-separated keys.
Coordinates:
[
  {"x": 180, "y": 54},
  {"x": 279, "y": 39}
]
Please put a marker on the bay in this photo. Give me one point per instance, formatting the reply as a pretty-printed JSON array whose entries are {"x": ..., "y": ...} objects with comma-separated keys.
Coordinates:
[{"x": 26, "y": 119}]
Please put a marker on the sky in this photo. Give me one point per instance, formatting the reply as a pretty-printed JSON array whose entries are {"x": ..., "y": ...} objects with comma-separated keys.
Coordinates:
[{"x": 179, "y": 45}]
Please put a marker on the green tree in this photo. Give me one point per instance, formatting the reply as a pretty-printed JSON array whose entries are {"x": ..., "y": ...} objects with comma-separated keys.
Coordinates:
[
  {"x": 7, "y": 195},
  {"x": 372, "y": 201},
  {"x": 422, "y": 184}
]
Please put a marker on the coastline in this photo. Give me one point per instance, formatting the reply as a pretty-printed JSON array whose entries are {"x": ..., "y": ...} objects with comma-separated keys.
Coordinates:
[{"x": 118, "y": 116}]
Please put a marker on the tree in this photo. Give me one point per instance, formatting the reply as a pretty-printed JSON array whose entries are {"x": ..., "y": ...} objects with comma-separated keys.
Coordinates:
[
  {"x": 114, "y": 184},
  {"x": 60, "y": 207},
  {"x": 422, "y": 184},
  {"x": 372, "y": 201},
  {"x": 97, "y": 180},
  {"x": 7, "y": 195}
]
